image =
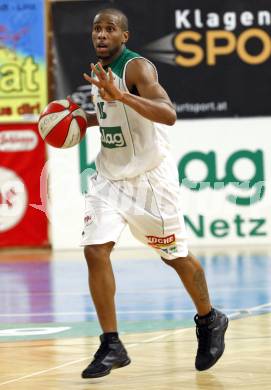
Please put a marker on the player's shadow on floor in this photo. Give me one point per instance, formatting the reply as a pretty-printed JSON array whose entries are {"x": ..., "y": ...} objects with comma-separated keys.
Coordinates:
[{"x": 206, "y": 380}]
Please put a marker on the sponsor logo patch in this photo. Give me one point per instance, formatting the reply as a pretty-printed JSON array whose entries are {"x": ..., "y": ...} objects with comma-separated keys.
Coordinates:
[
  {"x": 88, "y": 219},
  {"x": 161, "y": 242},
  {"x": 17, "y": 140},
  {"x": 170, "y": 250},
  {"x": 112, "y": 137}
]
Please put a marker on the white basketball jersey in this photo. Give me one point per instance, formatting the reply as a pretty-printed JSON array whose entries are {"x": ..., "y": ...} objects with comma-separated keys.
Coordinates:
[{"x": 130, "y": 143}]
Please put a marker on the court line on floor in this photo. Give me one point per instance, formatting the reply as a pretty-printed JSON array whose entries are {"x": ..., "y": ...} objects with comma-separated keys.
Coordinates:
[
  {"x": 94, "y": 313},
  {"x": 248, "y": 310},
  {"x": 88, "y": 358},
  {"x": 237, "y": 311},
  {"x": 146, "y": 291}
]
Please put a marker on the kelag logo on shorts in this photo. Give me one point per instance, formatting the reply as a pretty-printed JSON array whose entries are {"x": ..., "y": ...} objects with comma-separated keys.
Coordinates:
[{"x": 112, "y": 137}]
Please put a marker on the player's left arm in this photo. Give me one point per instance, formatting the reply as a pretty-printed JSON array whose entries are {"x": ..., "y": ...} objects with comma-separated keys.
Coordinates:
[{"x": 153, "y": 102}]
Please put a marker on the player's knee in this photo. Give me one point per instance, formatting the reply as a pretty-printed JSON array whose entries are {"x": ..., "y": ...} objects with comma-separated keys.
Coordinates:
[
  {"x": 167, "y": 262},
  {"x": 97, "y": 254},
  {"x": 91, "y": 254}
]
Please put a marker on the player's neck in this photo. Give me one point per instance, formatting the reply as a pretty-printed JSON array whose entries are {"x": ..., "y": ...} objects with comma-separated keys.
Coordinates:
[{"x": 109, "y": 61}]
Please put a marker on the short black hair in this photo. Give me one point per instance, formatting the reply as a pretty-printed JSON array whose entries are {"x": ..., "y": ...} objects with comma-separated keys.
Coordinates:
[{"x": 122, "y": 17}]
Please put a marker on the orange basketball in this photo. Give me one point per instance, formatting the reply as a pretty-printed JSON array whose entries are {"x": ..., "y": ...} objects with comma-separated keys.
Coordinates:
[{"x": 62, "y": 124}]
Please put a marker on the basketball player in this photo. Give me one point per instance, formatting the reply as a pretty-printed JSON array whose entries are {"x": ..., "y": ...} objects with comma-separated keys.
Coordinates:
[{"x": 131, "y": 108}]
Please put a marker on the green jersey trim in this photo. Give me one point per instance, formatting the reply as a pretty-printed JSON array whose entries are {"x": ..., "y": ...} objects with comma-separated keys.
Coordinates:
[{"x": 118, "y": 65}]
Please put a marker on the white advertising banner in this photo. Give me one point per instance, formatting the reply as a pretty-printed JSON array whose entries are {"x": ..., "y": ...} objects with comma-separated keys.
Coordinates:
[
  {"x": 225, "y": 174},
  {"x": 228, "y": 164}
]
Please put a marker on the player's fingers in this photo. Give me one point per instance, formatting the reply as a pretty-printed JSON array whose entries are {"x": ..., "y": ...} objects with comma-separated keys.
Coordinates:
[
  {"x": 111, "y": 78},
  {"x": 96, "y": 71},
  {"x": 102, "y": 71},
  {"x": 87, "y": 77},
  {"x": 91, "y": 80}
]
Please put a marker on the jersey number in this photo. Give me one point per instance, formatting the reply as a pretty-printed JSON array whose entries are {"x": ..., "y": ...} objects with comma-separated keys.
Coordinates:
[{"x": 101, "y": 111}]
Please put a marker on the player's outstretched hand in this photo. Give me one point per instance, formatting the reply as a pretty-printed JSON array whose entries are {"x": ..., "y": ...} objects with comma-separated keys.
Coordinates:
[{"x": 105, "y": 82}]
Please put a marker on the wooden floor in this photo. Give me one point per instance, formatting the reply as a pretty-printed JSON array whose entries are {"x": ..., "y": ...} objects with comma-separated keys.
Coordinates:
[{"x": 160, "y": 361}]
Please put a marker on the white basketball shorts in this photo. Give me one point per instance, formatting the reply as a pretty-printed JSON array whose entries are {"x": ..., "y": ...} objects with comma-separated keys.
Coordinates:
[{"x": 148, "y": 203}]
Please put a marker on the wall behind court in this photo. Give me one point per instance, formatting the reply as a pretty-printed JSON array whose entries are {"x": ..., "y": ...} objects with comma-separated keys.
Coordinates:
[{"x": 214, "y": 62}]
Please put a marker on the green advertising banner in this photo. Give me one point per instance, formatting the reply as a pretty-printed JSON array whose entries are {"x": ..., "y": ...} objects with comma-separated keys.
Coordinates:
[{"x": 23, "y": 76}]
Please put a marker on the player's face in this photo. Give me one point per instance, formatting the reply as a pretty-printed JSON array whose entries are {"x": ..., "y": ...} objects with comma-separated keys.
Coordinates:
[{"x": 107, "y": 36}]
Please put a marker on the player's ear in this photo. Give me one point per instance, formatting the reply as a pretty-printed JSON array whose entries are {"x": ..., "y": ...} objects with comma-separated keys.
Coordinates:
[{"x": 125, "y": 36}]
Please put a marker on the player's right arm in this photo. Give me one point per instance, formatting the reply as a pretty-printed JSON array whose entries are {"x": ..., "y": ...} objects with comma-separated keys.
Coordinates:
[{"x": 92, "y": 119}]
